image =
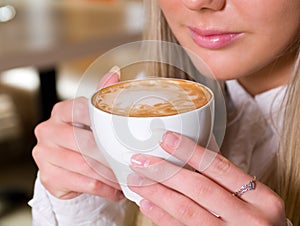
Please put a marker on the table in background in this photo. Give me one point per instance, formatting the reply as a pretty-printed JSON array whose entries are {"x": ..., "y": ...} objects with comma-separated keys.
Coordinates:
[{"x": 45, "y": 33}]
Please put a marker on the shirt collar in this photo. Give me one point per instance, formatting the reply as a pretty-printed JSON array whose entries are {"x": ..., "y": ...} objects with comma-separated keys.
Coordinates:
[{"x": 268, "y": 102}]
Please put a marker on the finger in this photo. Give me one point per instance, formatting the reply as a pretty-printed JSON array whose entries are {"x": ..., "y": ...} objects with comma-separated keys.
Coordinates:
[
  {"x": 112, "y": 77},
  {"x": 72, "y": 111},
  {"x": 60, "y": 182},
  {"x": 76, "y": 110},
  {"x": 175, "y": 204},
  {"x": 157, "y": 215},
  {"x": 58, "y": 135},
  {"x": 213, "y": 165},
  {"x": 74, "y": 162},
  {"x": 197, "y": 187}
]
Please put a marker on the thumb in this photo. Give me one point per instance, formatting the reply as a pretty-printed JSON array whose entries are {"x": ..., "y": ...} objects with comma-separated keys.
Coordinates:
[{"x": 112, "y": 77}]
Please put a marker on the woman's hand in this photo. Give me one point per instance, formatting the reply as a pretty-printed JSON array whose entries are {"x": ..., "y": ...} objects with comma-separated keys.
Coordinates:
[
  {"x": 185, "y": 197},
  {"x": 66, "y": 151}
]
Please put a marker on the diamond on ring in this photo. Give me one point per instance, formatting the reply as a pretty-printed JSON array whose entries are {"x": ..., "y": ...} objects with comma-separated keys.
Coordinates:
[{"x": 247, "y": 187}]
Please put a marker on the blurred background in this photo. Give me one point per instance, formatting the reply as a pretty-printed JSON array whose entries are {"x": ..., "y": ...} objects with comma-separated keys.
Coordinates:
[{"x": 45, "y": 47}]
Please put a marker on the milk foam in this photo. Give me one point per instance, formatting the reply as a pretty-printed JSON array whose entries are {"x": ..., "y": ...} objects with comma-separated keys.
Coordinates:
[{"x": 151, "y": 97}]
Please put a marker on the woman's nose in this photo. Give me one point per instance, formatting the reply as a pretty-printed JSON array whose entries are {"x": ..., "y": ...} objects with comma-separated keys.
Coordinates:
[{"x": 204, "y": 4}]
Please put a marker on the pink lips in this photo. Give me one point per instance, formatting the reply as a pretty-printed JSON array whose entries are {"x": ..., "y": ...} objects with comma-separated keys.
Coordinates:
[{"x": 212, "y": 39}]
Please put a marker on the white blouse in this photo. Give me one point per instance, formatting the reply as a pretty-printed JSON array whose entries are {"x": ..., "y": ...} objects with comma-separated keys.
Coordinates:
[
  {"x": 251, "y": 139},
  {"x": 250, "y": 142}
]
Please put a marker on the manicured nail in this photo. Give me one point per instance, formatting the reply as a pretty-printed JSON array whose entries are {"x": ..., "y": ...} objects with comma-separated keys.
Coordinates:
[
  {"x": 116, "y": 70},
  {"x": 140, "y": 160},
  {"x": 171, "y": 140},
  {"x": 135, "y": 180},
  {"x": 146, "y": 205},
  {"x": 119, "y": 194}
]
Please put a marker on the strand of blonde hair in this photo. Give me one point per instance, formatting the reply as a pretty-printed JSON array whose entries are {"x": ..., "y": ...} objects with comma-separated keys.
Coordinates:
[{"x": 288, "y": 159}]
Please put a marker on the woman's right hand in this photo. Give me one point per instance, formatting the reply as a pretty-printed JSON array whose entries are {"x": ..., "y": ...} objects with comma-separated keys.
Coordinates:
[{"x": 67, "y": 166}]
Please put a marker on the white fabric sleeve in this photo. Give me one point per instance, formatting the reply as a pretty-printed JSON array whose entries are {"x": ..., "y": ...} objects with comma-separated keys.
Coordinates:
[
  {"x": 288, "y": 222},
  {"x": 83, "y": 210}
]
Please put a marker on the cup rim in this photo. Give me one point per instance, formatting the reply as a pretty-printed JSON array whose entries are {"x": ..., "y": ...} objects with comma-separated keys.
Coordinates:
[{"x": 211, "y": 99}]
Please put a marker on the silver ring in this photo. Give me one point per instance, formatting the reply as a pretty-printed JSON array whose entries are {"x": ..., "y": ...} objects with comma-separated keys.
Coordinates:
[{"x": 247, "y": 187}]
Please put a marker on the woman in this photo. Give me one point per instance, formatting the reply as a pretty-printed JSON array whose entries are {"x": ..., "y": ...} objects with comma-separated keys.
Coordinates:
[{"x": 253, "y": 42}]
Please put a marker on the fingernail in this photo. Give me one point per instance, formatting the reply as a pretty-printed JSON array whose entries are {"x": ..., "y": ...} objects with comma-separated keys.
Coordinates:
[
  {"x": 146, "y": 205},
  {"x": 171, "y": 140},
  {"x": 119, "y": 194},
  {"x": 116, "y": 70},
  {"x": 135, "y": 180},
  {"x": 140, "y": 160}
]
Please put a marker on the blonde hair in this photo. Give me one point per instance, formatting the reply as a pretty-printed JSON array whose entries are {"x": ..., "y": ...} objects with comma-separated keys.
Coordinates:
[
  {"x": 288, "y": 157},
  {"x": 156, "y": 28}
]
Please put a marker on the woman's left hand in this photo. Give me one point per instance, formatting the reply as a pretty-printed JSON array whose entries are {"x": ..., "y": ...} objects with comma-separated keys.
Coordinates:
[{"x": 186, "y": 197}]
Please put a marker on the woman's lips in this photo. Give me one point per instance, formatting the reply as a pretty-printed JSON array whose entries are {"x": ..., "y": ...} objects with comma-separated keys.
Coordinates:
[{"x": 212, "y": 39}]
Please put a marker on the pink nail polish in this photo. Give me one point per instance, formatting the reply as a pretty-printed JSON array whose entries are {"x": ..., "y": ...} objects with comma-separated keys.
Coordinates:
[
  {"x": 171, "y": 140},
  {"x": 115, "y": 70},
  {"x": 146, "y": 205},
  {"x": 135, "y": 180},
  {"x": 140, "y": 160},
  {"x": 121, "y": 196}
]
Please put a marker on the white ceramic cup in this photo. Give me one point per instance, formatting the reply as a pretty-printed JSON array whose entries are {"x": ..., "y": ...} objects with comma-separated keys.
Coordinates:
[{"x": 119, "y": 137}]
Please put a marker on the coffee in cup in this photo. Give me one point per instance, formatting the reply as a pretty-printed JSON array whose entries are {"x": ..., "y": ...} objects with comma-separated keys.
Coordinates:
[{"x": 151, "y": 97}]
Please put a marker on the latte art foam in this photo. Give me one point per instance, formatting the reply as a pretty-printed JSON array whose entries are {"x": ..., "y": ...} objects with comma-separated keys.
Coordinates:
[{"x": 151, "y": 97}]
